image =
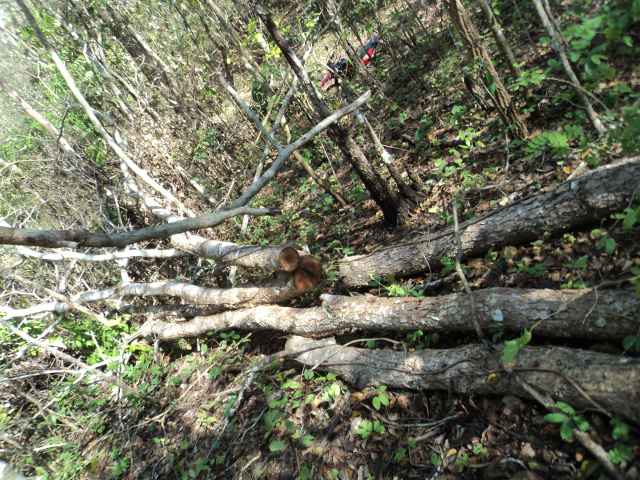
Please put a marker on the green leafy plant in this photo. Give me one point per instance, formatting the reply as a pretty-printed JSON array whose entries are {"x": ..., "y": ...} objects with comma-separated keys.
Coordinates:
[
  {"x": 420, "y": 339},
  {"x": 568, "y": 420},
  {"x": 478, "y": 449},
  {"x": 631, "y": 341},
  {"x": 513, "y": 346},
  {"x": 449, "y": 264},
  {"x": 400, "y": 454},
  {"x": 380, "y": 399},
  {"x": 463, "y": 460},
  {"x": 277, "y": 445},
  {"x": 580, "y": 266},
  {"x": 558, "y": 142},
  {"x": 306, "y": 474},
  {"x": 367, "y": 428}
]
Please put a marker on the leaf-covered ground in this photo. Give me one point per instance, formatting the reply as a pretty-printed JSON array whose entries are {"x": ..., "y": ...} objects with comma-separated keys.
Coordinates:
[{"x": 294, "y": 423}]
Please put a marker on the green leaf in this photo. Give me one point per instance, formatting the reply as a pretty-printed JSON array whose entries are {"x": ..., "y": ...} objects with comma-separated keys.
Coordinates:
[
  {"x": 628, "y": 341},
  {"x": 399, "y": 456},
  {"x": 620, "y": 453},
  {"x": 435, "y": 459},
  {"x": 556, "y": 417},
  {"x": 630, "y": 219},
  {"x": 566, "y": 431},
  {"x": 566, "y": 408},
  {"x": 290, "y": 425},
  {"x": 203, "y": 348},
  {"x": 277, "y": 446},
  {"x": 307, "y": 440},
  {"x": 510, "y": 351},
  {"x": 581, "y": 262},
  {"x": 588, "y": 467},
  {"x": 581, "y": 422},
  {"x": 620, "y": 429},
  {"x": 113, "y": 365},
  {"x": 378, "y": 427}
]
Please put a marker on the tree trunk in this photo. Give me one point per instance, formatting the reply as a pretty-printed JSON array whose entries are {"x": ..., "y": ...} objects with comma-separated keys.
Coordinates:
[
  {"x": 602, "y": 378},
  {"x": 501, "y": 41},
  {"x": 281, "y": 287},
  {"x": 548, "y": 313},
  {"x": 588, "y": 198},
  {"x": 559, "y": 47},
  {"x": 387, "y": 199},
  {"x": 475, "y": 48}
]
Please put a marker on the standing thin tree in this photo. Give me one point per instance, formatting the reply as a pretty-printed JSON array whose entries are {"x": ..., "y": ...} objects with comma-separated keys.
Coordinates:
[
  {"x": 498, "y": 36},
  {"x": 475, "y": 48},
  {"x": 387, "y": 198},
  {"x": 559, "y": 47}
]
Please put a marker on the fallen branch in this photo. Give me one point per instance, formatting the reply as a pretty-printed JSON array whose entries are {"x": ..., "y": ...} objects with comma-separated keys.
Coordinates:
[
  {"x": 84, "y": 238},
  {"x": 605, "y": 379},
  {"x": 99, "y": 257},
  {"x": 588, "y": 198},
  {"x": 552, "y": 313}
]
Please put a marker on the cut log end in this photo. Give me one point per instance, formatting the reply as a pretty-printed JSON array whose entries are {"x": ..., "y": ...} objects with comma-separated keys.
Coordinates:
[
  {"x": 308, "y": 274},
  {"x": 289, "y": 259}
]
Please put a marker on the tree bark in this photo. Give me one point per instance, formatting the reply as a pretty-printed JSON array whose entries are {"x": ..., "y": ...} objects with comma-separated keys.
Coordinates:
[
  {"x": 498, "y": 36},
  {"x": 588, "y": 198},
  {"x": 604, "y": 378},
  {"x": 607, "y": 315},
  {"x": 280, "y": 288},
  {"x": 475, "y": 48},
  {"x": 267, "y": 257},
  {"x": 387, "y": 199}
]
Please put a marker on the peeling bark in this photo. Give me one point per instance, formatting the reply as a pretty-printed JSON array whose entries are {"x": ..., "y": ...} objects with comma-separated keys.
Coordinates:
[
  {"x": 588, "y": 198},
  {"x": 607, "y": 315},
  {"x": 610, "y": 381}
]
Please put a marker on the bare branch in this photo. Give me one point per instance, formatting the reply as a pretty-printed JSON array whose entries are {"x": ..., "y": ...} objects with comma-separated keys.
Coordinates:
[{"x": 84, "y": 238}]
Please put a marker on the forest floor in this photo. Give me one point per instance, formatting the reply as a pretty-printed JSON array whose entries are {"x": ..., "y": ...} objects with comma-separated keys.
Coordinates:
[
  {"x": 294, "y": 424},
  {"x": 305, "y": 424}
]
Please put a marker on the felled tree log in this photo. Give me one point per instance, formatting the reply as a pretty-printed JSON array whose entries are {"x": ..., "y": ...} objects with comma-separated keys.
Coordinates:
[
  {"x": 586, "y": 199},
  {"x": 552, "y": 313},
  {"x": 279, "y": 288},
  {"x": 269, "y": 257},
  {"x": 608, "y": 380}
]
